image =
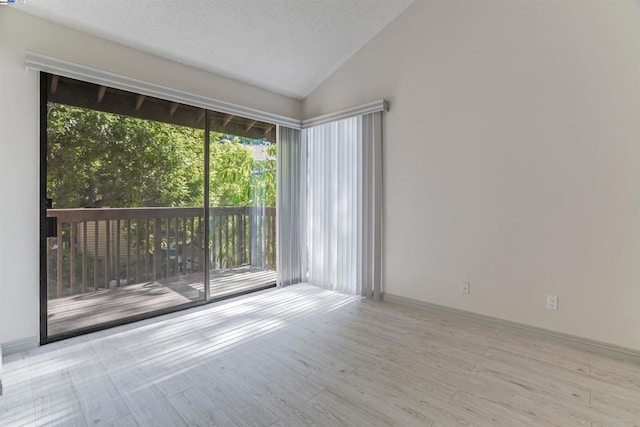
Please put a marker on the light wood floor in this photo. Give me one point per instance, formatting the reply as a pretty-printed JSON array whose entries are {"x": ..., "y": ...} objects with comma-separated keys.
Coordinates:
[
  {"x": 93, "y": 308},
  {"x": 301, "y": 355}
]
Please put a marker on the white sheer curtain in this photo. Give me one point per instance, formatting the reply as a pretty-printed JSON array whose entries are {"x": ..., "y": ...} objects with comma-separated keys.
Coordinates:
[
  {"x": 334, "y": 238},
  {"x": 291, "y": 207},
  {"x": 330, "y": 205},
  {"x": 340, "y": 219}
]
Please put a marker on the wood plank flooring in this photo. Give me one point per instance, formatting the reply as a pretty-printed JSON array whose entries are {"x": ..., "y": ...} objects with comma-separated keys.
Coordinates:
[
  {"x": 93, "y": 308},
  {"x": 305, "y": 356}
]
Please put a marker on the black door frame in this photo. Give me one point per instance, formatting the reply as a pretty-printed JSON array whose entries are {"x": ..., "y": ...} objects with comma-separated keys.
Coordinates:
[{"x": 44, "y": 335}]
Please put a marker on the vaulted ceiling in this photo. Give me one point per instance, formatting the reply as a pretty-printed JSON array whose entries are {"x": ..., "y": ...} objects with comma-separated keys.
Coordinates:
[{"x": 285, "y": 46}]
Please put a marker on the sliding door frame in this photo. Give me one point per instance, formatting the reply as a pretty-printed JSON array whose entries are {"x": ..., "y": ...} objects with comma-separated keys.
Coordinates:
[{"x": 44, "y": 225}]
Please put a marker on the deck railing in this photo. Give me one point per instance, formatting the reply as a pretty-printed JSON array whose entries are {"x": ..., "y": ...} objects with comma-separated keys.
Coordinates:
[{"x": 106, "y": 248}]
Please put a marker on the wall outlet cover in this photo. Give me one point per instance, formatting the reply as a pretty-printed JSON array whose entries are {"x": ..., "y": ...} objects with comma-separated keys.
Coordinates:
[{"x": 466, "y": 288}]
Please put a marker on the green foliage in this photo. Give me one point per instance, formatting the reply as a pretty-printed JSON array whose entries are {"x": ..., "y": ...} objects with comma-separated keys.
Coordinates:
[
  {"x": 264, "y": 179},
  {"x": 230, "y": 173},
  {"x": 237, "y": 179},
  {"x": 97, "y": 159},
  {"x": 102, "y": 159}
]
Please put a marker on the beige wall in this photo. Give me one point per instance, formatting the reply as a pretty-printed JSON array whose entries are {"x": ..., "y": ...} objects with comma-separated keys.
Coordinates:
[
  {"x": 19, "y": 140},
  {"x": 512, "y": 158}
]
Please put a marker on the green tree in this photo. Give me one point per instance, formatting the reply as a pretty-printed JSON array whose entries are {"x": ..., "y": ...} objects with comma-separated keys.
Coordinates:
[
  {"x": 264, "y": 179},
  {"x": 100, "y": 159},
  {"x": 231, "y": 166},
  {"x": 236, "y": 177},
  {"x": 97, "y": 159}
]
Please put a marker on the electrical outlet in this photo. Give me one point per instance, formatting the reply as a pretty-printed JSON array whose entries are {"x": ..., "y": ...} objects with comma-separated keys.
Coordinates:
[
  {"x": 466, "y": 288},
  {"x": 552, "y": 302}
]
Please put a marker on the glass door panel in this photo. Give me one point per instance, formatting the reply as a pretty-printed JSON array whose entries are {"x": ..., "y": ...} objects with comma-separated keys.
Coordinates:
[
  {"x": 242, "y": 197},
  {"x": 125, "y": 177}
]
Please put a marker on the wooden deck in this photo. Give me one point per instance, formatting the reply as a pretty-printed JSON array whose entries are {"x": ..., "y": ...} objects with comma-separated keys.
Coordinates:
[{"x": 90, "y": 309}]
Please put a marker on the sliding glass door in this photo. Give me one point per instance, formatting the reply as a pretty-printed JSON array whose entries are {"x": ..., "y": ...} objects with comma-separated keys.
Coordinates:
[
  {"x": 125, "y": 231},
  {"x": 242, "y": 197}
]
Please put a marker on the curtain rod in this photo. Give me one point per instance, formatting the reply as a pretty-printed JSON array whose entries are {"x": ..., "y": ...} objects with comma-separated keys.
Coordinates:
[{"x": 358, "y": 110}]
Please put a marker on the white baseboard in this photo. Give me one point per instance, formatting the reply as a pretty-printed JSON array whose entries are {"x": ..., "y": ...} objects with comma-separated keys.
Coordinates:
[
  {"x": 17, "y": 346},
  {"x": 581, "y": 343}
]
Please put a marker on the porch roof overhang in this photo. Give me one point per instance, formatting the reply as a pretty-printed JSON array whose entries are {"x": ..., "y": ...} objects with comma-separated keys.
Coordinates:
[{"x": 77, "y": 93}]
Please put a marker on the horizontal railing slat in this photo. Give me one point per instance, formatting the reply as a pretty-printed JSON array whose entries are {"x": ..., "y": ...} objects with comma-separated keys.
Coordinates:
[{"x": 98, "y": 214}]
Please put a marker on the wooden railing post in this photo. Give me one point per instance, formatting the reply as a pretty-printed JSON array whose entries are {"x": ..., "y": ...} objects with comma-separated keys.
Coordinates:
[
  {"x": 138, "y": 250},
  {"x": 85, "y": 250},
  {"x": 147, "y": 250},
  {"x": 117, "y": 266},
  {"x": 107, "y": 254},
  {"x": 168, "y": 235},
  {"x": 176, "y": 235},
  {"x": 96, "y": 226},
  {"x": 128, "y": 263},
  {"x": 241, "y": 239},
  {"x": 59, "y": 254},
  {"x": 72, "y": 257},
  {"x": 157, "y": 240}
]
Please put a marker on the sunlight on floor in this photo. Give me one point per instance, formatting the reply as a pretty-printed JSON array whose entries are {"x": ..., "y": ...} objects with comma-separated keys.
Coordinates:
[{"x": 53, "y": 384}]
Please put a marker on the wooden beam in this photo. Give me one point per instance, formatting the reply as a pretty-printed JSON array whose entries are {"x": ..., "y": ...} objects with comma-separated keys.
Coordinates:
[
  {"x": 139, "y": 101},
  {"x": 54, "y": 83},
  {"x": 101, "y": 91},
  {"x": 124, "y": 103},
  {"x": 268, "y": 131},
  {"x": 252, "y": 124},
  {"x": 173, "y": 108},
  {"x": 227, "y": 120}
]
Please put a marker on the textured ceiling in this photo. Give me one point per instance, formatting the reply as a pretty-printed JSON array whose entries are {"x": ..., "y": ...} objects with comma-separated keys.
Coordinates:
[{"x": 286, "y": 46}]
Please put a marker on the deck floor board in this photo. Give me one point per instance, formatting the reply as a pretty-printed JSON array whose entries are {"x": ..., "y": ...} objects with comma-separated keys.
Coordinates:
[{"x": 89, "y": 309}]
